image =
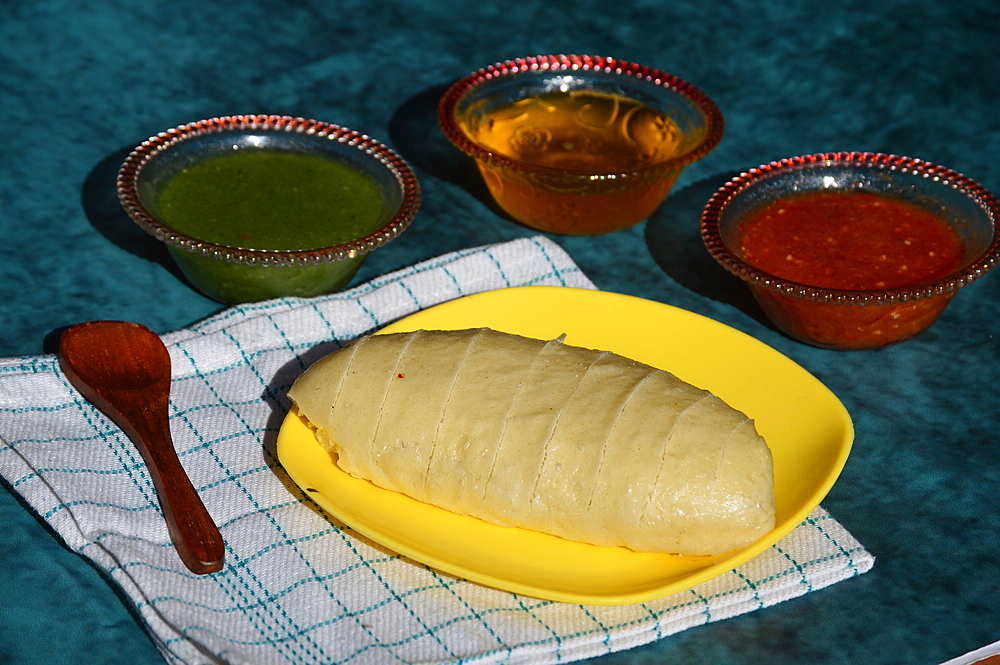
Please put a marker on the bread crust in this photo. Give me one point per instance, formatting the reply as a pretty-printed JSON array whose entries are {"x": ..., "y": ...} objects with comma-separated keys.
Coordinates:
[{"x": 579, "y": 443}]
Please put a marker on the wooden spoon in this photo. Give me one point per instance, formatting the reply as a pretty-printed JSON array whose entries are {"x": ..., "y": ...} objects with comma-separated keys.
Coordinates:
[{"x": 123, "y": 369}]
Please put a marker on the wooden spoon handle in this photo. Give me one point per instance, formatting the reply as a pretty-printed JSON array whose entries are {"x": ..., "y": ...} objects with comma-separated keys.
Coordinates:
[
  {"x": 196, "y": 538},
  {"x": 194, "y": 533}
]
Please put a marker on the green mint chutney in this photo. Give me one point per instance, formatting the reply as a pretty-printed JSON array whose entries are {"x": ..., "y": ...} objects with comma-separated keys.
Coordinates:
[{"x": 268, "y": 199}]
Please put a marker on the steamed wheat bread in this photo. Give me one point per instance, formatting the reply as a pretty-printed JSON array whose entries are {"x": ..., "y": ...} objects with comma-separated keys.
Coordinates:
[{"x": 582, "y": 444}]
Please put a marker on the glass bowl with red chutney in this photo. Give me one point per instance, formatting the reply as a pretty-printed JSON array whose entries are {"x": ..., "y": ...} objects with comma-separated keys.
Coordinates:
[
  {"x": 853, "y": 250},
  {"x": 255, "y": 207},
  {"x": 578, "y": 145}
]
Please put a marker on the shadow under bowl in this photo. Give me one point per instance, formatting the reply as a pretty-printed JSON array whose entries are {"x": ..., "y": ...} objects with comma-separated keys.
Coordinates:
[
  {"x": 231, "y": 273},
  {"x": 578, "y": 145},
  {"x": 843, "y": 318}
]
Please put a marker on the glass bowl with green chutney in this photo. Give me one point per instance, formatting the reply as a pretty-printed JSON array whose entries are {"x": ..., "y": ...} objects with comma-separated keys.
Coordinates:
[{"x": 258, "y": 207}]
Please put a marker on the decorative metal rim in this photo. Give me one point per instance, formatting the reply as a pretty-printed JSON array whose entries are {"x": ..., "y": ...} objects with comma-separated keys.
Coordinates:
[
  {"x": 712, "y": 236},
  {"x": 557, "y": 63},
  {"x": 131, "y": 169}
]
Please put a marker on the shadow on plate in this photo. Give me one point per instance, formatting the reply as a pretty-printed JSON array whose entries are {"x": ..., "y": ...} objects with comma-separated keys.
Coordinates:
[
  {"x": 674, "y": 241},
  {"x": 99, "y": 198},
  {"x": 277, "y": 389},
  {"x": 276, "y": 397},
  {"x": 417, "y": 136}
]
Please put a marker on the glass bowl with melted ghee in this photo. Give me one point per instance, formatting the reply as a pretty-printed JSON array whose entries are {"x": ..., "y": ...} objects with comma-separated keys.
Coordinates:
[
  {"x": 853, "y": 250},
  {"x": 257, "y": 207},
  {"x": 578, "y": 145}
]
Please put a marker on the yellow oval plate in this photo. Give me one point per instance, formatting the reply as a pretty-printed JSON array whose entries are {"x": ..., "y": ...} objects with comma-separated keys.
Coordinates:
[{"x": 808, "y": 429}]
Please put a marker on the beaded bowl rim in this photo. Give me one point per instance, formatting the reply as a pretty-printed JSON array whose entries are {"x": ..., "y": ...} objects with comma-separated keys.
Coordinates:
[
  {"x": 712, "y": 237},
  {"x": 578, "y": 63},
  {"x": 130, "y": 174}
]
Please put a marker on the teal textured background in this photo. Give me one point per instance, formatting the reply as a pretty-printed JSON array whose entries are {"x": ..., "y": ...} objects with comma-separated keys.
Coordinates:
[{"x": 81, "y": 83}]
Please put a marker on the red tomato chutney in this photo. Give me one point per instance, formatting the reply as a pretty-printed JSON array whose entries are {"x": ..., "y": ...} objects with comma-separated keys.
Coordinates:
[{"x": 854, "y": 241}]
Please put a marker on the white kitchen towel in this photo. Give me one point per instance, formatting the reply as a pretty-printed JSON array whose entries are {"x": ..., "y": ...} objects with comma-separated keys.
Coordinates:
[{"x": 297, "y": 586}]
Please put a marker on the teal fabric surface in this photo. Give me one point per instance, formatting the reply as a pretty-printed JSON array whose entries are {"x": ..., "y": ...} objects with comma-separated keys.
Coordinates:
[{"x": 81, "y": 83}]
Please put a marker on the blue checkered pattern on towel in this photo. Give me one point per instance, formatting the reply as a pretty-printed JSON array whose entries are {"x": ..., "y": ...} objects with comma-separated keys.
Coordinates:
[{"x": 297, "y": 586}]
